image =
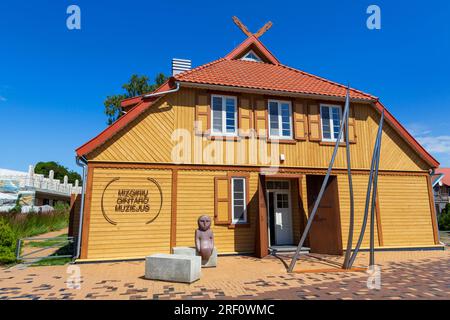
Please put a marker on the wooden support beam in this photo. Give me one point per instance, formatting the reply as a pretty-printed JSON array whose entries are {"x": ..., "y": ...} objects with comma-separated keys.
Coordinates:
[
  {"x": 242, "y": 26},
  {"x": 263, "y": 30}
]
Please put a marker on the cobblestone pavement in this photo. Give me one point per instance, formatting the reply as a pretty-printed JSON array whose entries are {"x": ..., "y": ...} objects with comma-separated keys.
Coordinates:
[{"x": 404, "y": 275}]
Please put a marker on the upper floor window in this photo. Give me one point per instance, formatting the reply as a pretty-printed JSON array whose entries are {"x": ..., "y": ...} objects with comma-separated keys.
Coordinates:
[
  {"x": 251, "y": 56},
  {"x": 224, "y": 118},
  {"x": 280, "y": 119},
  {"x": 331, "y": 116}
]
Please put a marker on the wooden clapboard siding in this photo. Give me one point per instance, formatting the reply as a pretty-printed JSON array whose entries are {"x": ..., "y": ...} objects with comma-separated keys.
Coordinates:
[
  {"x": 131, "y": 237},
  {"x": 196, "y": 197},
  {"x": 360, "y": 189},
  {"x": 148, "y": 139},
  {"x": 405, "y": 210},
  {"x": 403, "y": 204}
]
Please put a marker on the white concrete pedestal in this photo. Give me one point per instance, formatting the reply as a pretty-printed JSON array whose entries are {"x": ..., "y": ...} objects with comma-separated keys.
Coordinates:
[{"x": 173, "y": 267}]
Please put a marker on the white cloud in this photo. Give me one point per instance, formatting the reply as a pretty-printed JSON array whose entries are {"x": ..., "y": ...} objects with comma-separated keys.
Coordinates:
[{"x": 438, "y": 145}]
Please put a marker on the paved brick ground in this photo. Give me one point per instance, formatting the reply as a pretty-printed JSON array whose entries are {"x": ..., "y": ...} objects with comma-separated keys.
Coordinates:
[{"x": 404, "y": 275}]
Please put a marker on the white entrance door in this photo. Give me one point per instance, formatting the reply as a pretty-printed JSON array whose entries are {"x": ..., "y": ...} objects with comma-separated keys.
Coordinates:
[{"x": 283, "y": 218}]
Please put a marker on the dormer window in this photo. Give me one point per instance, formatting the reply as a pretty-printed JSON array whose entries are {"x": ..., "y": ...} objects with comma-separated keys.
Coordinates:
[{"x": 251, "y": 56}]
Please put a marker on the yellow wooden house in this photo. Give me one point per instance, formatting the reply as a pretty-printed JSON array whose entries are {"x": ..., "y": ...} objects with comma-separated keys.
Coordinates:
[{"x": 247, "y": 140}]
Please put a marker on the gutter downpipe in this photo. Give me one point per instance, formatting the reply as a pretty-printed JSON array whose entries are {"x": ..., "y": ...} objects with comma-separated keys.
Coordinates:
[
  {"x": 158, "y": 94},
  {"x": 82, "y": 162}
]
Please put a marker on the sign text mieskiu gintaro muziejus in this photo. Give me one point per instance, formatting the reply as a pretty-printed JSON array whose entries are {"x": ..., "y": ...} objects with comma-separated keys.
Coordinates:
[{"x": 132, "y": 200}]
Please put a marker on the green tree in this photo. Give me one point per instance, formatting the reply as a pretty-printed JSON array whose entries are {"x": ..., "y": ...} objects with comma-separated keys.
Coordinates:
[
  {"x": 59, "y": 170},
  {"x": 136, "y": 86},
  {"x": 444, "y": 218}
]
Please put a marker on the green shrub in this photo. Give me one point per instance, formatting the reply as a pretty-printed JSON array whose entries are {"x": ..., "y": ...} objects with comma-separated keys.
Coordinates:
[
  {"x": 16, "y": 225},
  {"x": 444, "y": 219},
  {"x": 8, "y": 240}
]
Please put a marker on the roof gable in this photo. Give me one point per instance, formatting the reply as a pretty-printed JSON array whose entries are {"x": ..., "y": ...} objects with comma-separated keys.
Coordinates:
[{"x": 252, "y": 43}]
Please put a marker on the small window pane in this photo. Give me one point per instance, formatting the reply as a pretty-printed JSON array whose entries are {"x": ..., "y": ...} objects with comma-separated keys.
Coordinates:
[
  {"x": 273, "y": 118},
  {"x": 217, "y": 114},
  {"x": 336, "y": 122},
  {"x": 239, "y": 215},
  {"x": 239, "y": 205},
  {"x": 325, "y": 113},
  {"x": 230, "y": 112},
  {"x": 285, "y": 119}
]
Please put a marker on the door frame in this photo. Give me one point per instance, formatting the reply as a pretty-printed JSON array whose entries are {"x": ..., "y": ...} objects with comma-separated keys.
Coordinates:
[
  {"x": 269, "y": 217},
  {"x": 262, "y": 241}
]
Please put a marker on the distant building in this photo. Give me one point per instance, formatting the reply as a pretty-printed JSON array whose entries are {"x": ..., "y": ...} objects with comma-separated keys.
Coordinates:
[
  {"x": 34, "y": 191},
  {"x": 441, "y": 188}
]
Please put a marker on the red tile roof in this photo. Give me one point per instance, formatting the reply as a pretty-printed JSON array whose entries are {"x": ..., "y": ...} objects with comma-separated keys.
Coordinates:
[
  {"x": 265, "y": 76},
  {"x": 446, "y": 173},
  {"x": 269, "y": 75}
]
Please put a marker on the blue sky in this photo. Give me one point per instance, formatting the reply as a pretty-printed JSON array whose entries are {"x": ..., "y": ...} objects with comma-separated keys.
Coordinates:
[{"x": 53, "y": 80}]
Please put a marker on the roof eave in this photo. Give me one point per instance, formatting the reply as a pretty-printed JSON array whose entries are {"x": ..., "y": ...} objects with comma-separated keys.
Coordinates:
[{"x": 218, "y": 87}]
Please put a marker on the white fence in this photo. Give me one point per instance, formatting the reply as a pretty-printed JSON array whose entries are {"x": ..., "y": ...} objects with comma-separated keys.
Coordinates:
[{"x": 39, "y": 182}]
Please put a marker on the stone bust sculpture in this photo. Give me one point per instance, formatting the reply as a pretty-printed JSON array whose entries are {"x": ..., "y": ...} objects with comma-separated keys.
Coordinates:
[{"x": 204, "y": 237}]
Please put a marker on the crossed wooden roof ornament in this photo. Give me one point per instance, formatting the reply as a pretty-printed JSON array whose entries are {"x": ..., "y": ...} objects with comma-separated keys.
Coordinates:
[{"x": 247, "y": 32}]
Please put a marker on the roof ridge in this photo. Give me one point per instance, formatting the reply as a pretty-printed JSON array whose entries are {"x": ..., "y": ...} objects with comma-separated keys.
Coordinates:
[{"x": 327, "y": 80}]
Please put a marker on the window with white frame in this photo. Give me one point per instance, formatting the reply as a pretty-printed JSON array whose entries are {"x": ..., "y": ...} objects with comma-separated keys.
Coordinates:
[
  {"x": 331, "y": 116},
  {"x": 238, "y": 196},
  {"x": 251, "y": 56},
  {"x": 280, "y": 119},
  {"x": 223, "y": 115}
]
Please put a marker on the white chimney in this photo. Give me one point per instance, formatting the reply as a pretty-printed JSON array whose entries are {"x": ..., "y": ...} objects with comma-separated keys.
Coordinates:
[{"x": 180, "y": 65}]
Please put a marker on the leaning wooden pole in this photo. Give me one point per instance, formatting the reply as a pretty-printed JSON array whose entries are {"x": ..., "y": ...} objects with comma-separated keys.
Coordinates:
[
  {"x": 373, "y": 176},
  {"x": 374, "y": 199},
  {"x": 350, "y": 185},
  {"x": 322, "y": 191}
]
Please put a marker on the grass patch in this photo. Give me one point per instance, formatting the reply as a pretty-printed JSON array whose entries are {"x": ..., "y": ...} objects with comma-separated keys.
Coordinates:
[
  {"x": 63, "y": 251},
  {"x": 33, "y": 224},
  {"x": 52, "y": 262},
  {"x": 14, "y": 226}
]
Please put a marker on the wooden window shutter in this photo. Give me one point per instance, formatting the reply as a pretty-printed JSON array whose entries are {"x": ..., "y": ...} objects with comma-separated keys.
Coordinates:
[
  {"x": 202, "y": 114},
  {"x": 245, "y": 117},
  {"x": 315, "y": 129},
  {"x": 261, "y": 118},
  {"x": 352, "y": 126},
  {"x": 300, "y": 123},
  {"x": 222, "y": 201}
]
